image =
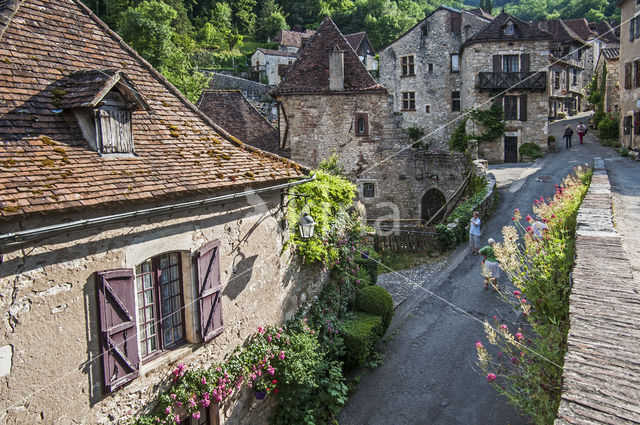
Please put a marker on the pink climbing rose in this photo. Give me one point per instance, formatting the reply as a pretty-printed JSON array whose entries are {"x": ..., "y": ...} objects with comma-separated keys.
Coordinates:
[{"x": 491, "y": 377}]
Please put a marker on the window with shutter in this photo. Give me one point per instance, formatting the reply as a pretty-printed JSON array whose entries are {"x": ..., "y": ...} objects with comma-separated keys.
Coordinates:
[
  {"x": 510, "y": 63},
  {"x": 511, "y": 107},
  {"x": 118, "y": 336},
  {"x": 636, "y": 67},
  {"x": 627, "y": 75},
  {"x": 632, "y": 31},
  {"x": 523, "y": 107},
  {"x": 210, "y": 291},
  {"x": 636, "y": 123},
  {"x": 497, "y": 63},
  {"x": 525, "y": 62}
]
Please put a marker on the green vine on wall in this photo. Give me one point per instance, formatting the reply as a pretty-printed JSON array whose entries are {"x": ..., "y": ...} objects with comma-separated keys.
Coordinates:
[{"x": 491, "y": 121}]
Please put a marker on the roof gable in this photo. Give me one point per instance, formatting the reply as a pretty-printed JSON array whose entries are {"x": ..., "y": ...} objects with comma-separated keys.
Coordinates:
[
  {"x": 581, "y": 28},
  {"x": 46, "y": 164},
  {"x": 87, "y": 89},
  {"x": 495, "y": 31},
  {"x": 310, "y": 72}
]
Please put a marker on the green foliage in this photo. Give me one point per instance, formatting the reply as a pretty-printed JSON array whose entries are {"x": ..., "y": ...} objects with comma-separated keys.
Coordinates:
[
  {"x": 329, "y": 197},
  {"x": 331, "y": 166},
  {"x": 376, "y": 300},
  {"x": 608, "y": 127},
  {"x": 369, "y": 261},
  {"x": 459, "y": 140},
  {"x": 531, "y": 149},
  {"x": 361, "y": 332},
  {"x": 415, "y": 133},
  {"x": 592, "y": 89},
  {"x": 454, "y": 231},
  {"x": 551, "y": 139},
  {"x": 598, "y": 116},
  {"x": 491, "y": 120}
]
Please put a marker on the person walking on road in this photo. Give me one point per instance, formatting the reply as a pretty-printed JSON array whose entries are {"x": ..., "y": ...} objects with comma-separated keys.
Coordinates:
[
  {"x": 492, "y": 272},
  {"x": 581, "y": 129},
  {"x": 474, "y": 232},
  {"x": 568, "y": 133}
]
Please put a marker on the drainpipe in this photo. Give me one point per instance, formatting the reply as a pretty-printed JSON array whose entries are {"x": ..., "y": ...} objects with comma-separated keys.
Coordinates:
[{"x": 41, "y": 232}]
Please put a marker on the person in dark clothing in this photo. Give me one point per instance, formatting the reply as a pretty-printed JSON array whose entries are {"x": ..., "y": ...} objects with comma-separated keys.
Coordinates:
[{"x": 568, "y": 133}]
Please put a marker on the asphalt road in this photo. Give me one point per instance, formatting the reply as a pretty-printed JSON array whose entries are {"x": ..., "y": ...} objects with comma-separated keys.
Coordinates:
[{"x": 430, "y": 375}]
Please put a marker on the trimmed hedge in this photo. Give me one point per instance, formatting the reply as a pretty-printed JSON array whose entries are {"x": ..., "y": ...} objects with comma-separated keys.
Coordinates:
[
  {"x": 531, "y": 149},
  {"x": 376, "y": 300},
  {"x": 360, "y": 334}
]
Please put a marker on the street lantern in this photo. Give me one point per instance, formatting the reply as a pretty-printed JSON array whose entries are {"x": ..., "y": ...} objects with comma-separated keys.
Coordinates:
[{"x": 306, "y": 226}]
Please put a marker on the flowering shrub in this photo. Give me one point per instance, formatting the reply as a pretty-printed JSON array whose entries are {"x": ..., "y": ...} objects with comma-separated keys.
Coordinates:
[{"x": 528, "y": 370}]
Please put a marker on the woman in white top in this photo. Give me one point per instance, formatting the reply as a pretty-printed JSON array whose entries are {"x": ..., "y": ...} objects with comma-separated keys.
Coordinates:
[{"x": 474, "y": 233}]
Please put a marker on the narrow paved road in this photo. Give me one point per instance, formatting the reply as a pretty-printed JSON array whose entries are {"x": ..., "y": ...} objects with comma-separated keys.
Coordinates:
[{"x": 429, "y": 375}]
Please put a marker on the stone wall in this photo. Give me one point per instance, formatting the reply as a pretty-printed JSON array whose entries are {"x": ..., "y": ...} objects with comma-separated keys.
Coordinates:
[
  {"x": 434, "y": 81},
  {"x": 629, "y": 52},
  {"x": 268, "y": 65},
  {"x": 478, "y": 58},
  {"x": 53, "y": 370},
  {"x": 319, "y": 125}
]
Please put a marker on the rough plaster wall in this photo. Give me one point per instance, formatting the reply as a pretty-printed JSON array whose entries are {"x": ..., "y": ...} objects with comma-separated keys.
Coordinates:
[
  {"x": 612, "y": 97},
  {"x": 322, "y": 124},
  {"x": 433, "y": 88},
  {"x": 49, "y": 313},
  {"x": 478, "y": 58}
]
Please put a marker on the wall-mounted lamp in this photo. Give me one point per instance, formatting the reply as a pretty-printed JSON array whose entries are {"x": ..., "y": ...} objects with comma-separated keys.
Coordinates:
[{"x": 306, "y": 224}]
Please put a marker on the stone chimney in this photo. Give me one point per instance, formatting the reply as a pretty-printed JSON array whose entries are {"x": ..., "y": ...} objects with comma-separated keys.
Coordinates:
[{"x": 336, "y": 69}]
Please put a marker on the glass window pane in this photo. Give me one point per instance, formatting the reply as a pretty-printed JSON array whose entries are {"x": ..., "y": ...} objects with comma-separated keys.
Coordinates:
[
  {"x": 176, "y": 304},
  {"x": 175, "y": 287},
  {"x": 177, "y": 333},
  {"x": 174, "y": 258},
  {"x": 146, "y": 266},
  {"x": 148, "y": 297},
  {"x": 164, "y": 276},
  {"x": 147, "y": 281},
  {"x": 138, "y": 281},
  {"x": 164, "y": 261},
  {"x": 150, "y": 314},
  {"x": 142, "y": 333},
  {"x": 140, "y": 300},
  {"x": 152, "y": 344},
  {"x": 143, "y": 349},
  {"x": 139, "y": 269},
  {"x": 164, "y": 291},
  {"x": 174, "y": 272},
  {"x": 166, "y": 307},
  {"x": 151, "y": 329},
  {"x": 168, "y": 339}
]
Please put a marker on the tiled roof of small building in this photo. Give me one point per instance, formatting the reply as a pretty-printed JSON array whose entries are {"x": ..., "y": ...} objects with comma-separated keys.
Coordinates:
[
  {"x": 481, "y": 12},
  {"x": 292, "y": 38},
  {"x": 611, "y": 52},
  {"x": 272, "y": 52},
  {"x": 355, "y": 40},
  {"x": 494, "y": 31},
  {"x": 581, "y": 28},
  {"x": 561, "y": 33},
  {"x": 46, "y": 164},
  {"x": 231, "y": 110},
  {"x": 310, "y": 73}
]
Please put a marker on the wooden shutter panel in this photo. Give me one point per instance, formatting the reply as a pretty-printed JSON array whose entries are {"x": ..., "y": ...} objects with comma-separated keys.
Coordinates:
[
  {"x": 497, "y": 63},
  {"x": 210, "y": 291},
  {"x": 523, "y": 107},
  {"x": 118, "y": 331},
  {"x": 525, "y": 60},
  {"x": 627, "y": 75},
  {"x": 631, "y": 29}
]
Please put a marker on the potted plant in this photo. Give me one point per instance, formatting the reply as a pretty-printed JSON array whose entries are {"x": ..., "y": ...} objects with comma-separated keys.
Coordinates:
[{"x": 262, "y": 386}]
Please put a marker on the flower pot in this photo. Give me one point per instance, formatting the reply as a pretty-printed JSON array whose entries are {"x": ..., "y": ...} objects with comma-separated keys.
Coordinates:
[{"x": 260, "y": 395}]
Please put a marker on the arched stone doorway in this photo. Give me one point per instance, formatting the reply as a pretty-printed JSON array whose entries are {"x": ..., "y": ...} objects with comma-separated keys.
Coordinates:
[{"x": 432, "y": 201}]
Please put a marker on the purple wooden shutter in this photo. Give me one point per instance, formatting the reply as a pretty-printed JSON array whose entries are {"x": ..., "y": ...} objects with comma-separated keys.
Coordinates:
[
  {"x": 525, "y": 61},
  {"x": 497, "y": 63},
  {"x": 210, "y": 291},
  {"x": 523, "y": 107},
  {"x": 118, "y": 332}
]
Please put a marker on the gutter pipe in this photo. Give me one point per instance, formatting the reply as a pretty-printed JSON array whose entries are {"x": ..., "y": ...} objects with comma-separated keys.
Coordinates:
[{"x": 40, "y": 232}]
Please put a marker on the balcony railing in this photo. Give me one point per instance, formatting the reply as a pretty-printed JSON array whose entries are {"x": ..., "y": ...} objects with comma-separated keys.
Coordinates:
[{"x": 512, "y": 80}]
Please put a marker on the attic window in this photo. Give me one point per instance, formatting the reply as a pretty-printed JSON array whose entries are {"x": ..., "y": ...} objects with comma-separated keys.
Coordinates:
[
  {"x": 102, "y": 102},
  {"x": 510, "y": 29}
]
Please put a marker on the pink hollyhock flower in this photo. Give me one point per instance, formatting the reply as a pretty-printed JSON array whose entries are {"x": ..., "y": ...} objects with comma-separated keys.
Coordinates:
[
  {"x": 173, "y": 396},
  {"x": 478, "y": 344},
  {"x": 517, "y": 293},
  {"x": 519, "y": 336},
  {"x": 204, "y": 381},
  {"x": 196, "y": 415},
  {"x": 495, "y": 317},
  {"x": 517, "y": 210},
  {"x": 167, "y": 410},
  {"x": 529, "y": 229},
  {"x": 514, "y": 360},
  {"x": 260, "y": 330},
  {"x": 281, "y": 355},
  {"x": 177, "y": 419},
  {"x": 529, "y": 217},
  {"x": 503, "y": 327},
  {"x": 491, "y": 377},
  {"x": 269, "y": 338},
  {"x": 524, "y": 300}
]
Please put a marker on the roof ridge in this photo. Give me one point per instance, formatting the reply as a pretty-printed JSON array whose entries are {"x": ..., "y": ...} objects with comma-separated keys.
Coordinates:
[{"x": 163, "y": 80}]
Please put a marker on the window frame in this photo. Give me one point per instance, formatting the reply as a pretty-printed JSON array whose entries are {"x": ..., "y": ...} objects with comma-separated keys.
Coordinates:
[
  {"x": 430, "y": 67},
  {"x": 455, "y": 101},
  {"x": 408, "y": 101},
  {"x": 457, "y": 67},
  {"x": 159, "y": 317},
  {"x": 427, "y": 109},
  {"x": 509, "y": 28},
  {"x": 408, "y": 65},
  {"x": 514, "y": 104},
  {"x": 556, "y": 80},
  {"x": 574, "y": 77},
  {"x": 508, "y": 62},
  {"x": 368, "y": 190},
  {"x": 365, "y": 117}
]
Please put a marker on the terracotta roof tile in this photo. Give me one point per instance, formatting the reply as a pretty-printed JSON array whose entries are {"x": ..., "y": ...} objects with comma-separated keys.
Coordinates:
[
  {"x": 494, "y": 31},
  {"x": 233, "y": 112},
  {"x": 277, "y": 52},
  {"x": 561, "y": 33},
  {"x": 178, "y": 150},
  {"x": 581, "y": 28},
  {"x": 608, "y": 33},
  {"x": 292, "y": 38},
  {"x": 310, "y": 73}
]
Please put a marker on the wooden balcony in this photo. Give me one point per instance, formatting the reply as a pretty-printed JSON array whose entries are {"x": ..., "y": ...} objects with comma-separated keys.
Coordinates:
[{"x": 512, "y": 80}]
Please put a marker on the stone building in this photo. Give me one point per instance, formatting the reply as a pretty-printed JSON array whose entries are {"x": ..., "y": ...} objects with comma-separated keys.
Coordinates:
[
  {"x": 421, "y": 70},
  {"x": 290, "y": 40},
  {"x": 361, "y": 44},
  {"x": 506, "y": 63},
  {"x": 136, "y": 232},
  {"x": 630, "y": 73},
  {"x": 267, "y": 62},
  {"x": 610, "y": 59},
  {"x": 328, "y": 103}
]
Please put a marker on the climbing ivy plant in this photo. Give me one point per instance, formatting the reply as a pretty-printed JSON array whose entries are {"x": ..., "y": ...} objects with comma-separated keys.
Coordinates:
[{"x": 491, "y": 121}]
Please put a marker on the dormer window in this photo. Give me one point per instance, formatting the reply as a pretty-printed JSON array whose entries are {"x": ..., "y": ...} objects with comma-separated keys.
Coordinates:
[
  {"x": 102, "y": 102},
  {"x": 510, "y": 28}
]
